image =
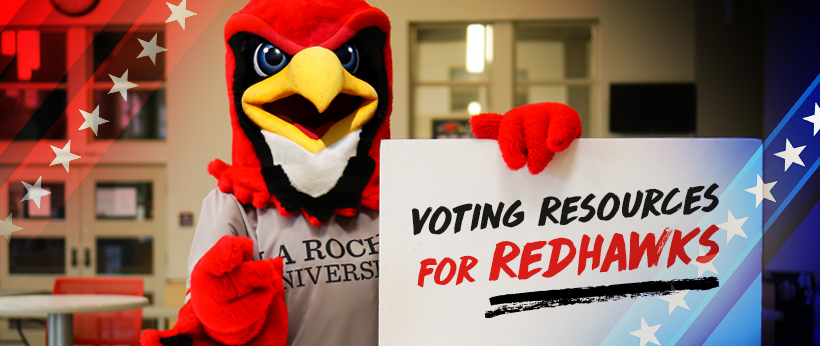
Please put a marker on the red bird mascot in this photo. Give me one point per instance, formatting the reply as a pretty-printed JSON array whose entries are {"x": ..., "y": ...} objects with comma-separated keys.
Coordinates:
[{"x": 286, "y": 250}]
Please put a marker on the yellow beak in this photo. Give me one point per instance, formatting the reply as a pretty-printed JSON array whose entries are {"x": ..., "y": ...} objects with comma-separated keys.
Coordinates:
[{"x": 317, "y": 75}]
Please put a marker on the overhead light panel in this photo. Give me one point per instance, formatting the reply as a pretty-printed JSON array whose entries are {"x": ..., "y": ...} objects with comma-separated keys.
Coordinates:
[
  {"x": 475, "y": 48},
  {"x": 489, "y": 45}
]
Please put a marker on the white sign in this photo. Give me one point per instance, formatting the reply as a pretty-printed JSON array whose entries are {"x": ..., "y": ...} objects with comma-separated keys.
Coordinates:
[{"x": 588, "y": 252}]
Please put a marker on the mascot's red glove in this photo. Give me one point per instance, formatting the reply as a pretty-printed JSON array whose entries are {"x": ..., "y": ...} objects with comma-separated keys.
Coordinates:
[
  {"x": 234, "y": 301},
  {"x": 530, "y": 134}
]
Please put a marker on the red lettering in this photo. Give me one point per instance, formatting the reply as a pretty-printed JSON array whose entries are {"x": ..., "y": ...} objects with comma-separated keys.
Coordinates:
[
  {"x": 705, "y": 240},
  {"x": 500, "y": 260},
  {"x": 676, "y": 248},
  {"x": 527, "y": 258},
  {"x": 555, "y": 265},
  {"x": 467, "y": 263},
  {"x": 446, "y": 261},
  {"x": 616, "y": 252},
  {"x": 425, "y": 269},
  {"x": 584, "y": 253},
  {"x": 653, "y": 250}
]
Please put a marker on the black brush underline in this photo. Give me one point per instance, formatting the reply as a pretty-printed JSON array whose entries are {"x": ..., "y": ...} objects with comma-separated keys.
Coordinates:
[{"x": 518, "y": 302}]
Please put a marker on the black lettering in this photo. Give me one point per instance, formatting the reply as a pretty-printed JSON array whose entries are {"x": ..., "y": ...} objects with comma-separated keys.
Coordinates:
[
  {"x": 283, "y": 252},
  {"x": 519, "y": 216},
  {"x": 434, "y": 220},
  {"x": 476, "y": 216},
  {"x": 652, "y": 196},
  {"x": 616, "y": 203},
  {"x": 350, "y": 268},
  {"x": 460, "y": 210},
  {"x": 710, "y": 195},
  {"x": 568, "y": 209},
  {"x": 665, "y": 205},
  {"x": 376, "y": 262},
  {"x": 691, "y": 198},
  {"x": 548, "y": 206},
  {"x": 299, "y": 276},
  {"x": 309, "y": 249},
  {"x": 638, "y": 199},
  {"x": 488, "y": 215},
  {"x": 318, "y": 274},
  {"x": 368, "y": 270},
  {"x": 590, "y": 210},
  {"x": 331, "y": 274},
  {"x": 350, "y": 251},
  {"x": 418, "y": 222},
  {"x": 372, "y": 245},
  {"x": 288, "y": 280},
  {"x": 329, "y": 249}
]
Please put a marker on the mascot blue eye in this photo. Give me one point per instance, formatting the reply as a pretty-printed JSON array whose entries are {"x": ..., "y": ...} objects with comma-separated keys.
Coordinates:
[
  {"x": 349, "y": 57},
  {"x": 268, "y": 60}
]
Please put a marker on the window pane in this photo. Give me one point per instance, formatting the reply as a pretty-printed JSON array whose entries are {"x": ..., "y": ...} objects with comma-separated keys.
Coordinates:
[
  {"x": 125, "y": 255},
  {"x": 525, "y": 94},
  {"x": 48, "y": 59},
  {"x": 579, "y": 98},
  {"x": 456, "y": 100},
  {"x": 550, "y": 52},
  {"x": 28, "y": 114},
  {"x": 141, "y": 69},
  {"x": 128, "y": 201},
  {"x": 575, "y": 96},
  {"x": 149, "y": 122},
  {"x": 442, "y": 55},
  {"x": 37, "y": 255},
  {"x": 51, "y": 206}
]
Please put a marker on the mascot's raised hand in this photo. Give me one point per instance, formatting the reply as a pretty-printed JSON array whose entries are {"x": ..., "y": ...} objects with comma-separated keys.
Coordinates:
[
  {"x": 530, "y": 134},
  {"x": 234, "y": 301}
]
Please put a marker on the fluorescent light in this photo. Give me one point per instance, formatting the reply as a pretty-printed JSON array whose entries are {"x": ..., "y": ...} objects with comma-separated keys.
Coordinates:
[
  {"x": 474, "y": 108},
  {"x": 475, "y": 48},
  {"x": 489, "y": 45}
]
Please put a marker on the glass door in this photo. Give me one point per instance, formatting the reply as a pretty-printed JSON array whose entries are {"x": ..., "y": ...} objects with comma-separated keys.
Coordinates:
[
  {"x": 123, "y": 225},
  {"x": 48, "y": 244}
]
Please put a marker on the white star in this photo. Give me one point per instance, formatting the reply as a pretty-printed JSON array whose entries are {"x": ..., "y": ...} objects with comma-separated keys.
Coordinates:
[
  {"x": 646, "y": 333},
  {"x": 121, "y": 85},
  {"x": 791, "y": 155},
  {"x": 7, "y": 228},
  {"x": 703, "y": 267},
  {"x": 35, "y": 192},
  {"x": 814, "y": 119},
  {"x": 64, "y": 155},
  {"x": 179, "y": 13},
  {"x": 675, "y": 299},
  {"x": 762, "y": 191},
  {"x": 92, "y": 120},
  {"x": 150, "y": 49},
  {"x": 733, "y": 227}
]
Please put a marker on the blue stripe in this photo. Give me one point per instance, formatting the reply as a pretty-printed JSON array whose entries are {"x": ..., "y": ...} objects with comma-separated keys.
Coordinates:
[
  {"x": 791, "y": 195},
  {"x": 753, "y": 242},
  {"x": 791, "y": 112}
]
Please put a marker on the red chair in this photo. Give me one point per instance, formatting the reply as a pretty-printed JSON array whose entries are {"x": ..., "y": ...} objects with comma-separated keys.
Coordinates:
[{"x": 104, "y": 328}]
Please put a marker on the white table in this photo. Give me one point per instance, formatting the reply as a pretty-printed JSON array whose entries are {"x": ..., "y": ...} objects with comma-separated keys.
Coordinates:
[{"x": 61, "y": 308}]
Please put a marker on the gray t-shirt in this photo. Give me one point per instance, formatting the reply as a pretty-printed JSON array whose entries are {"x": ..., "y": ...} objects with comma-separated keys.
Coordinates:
[{"x": 331, "y": 272}]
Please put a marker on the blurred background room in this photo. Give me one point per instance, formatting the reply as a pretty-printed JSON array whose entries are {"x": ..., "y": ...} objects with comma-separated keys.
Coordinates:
[{"x": 631, "y": 68}]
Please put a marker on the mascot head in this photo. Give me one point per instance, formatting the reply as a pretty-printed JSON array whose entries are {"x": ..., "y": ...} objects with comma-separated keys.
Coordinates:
[{"x": 309, "y": 84}]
